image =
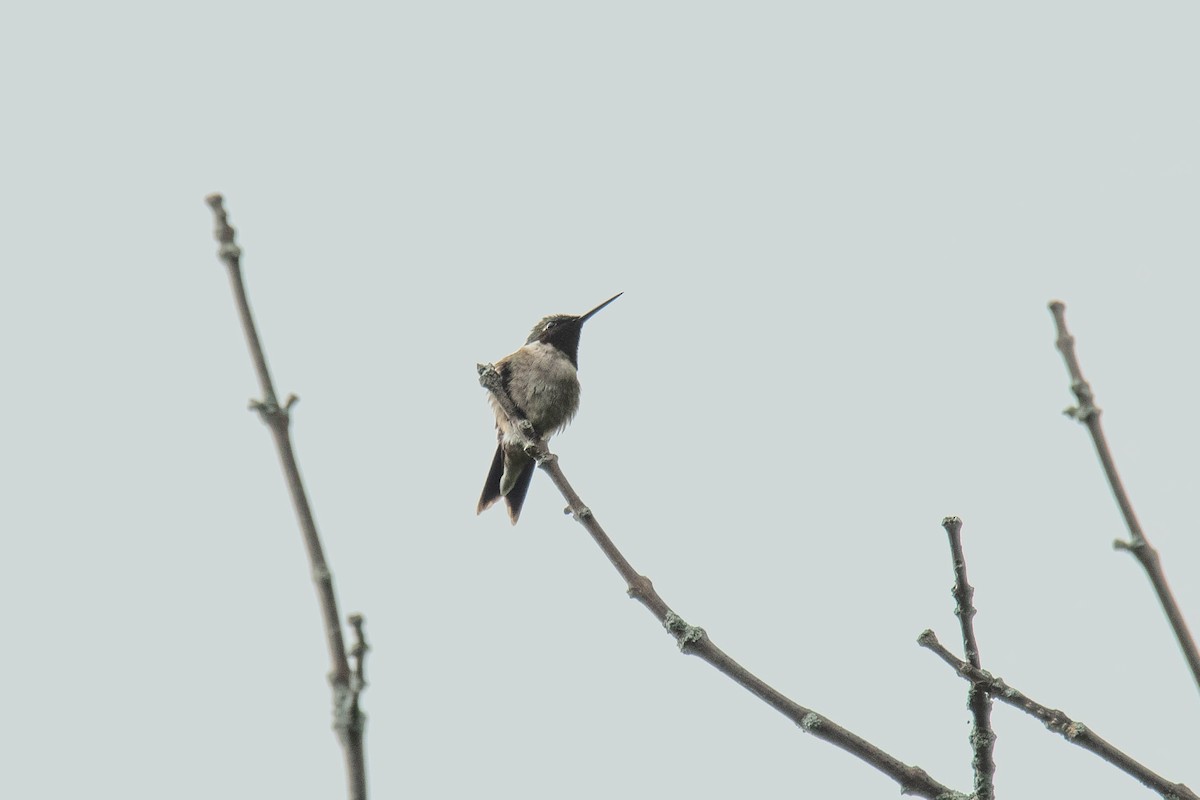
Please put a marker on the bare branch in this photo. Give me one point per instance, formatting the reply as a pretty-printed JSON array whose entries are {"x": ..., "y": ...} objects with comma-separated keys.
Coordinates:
[
  {"x": 348, "y": 719},
  {"x": 693, "y": 640},
  {"x": 1089, "y": 414},
  {"x": 982, "y": 738},
  {"x": 1074, "y": 732}
]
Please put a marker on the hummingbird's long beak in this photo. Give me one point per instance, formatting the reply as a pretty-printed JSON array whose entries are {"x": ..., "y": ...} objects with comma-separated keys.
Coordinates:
[{"x": 591, "y": 313}]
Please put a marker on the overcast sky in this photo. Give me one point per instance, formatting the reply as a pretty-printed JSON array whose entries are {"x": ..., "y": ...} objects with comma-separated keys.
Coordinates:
[{"x": 837, "y": 227}]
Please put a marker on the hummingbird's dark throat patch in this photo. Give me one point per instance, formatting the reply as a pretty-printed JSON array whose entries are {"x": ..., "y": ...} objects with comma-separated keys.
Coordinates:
[{"x": 561, "y": 331}]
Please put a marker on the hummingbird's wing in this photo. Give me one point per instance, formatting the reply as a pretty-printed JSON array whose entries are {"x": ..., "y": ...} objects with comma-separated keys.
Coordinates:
[
  {"x": 504, "y": 370},
  {"x": 512, "y": 470}
]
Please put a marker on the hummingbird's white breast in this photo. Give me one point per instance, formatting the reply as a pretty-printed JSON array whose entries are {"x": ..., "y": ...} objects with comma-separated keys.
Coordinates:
[{"x": 543, "y": 383}]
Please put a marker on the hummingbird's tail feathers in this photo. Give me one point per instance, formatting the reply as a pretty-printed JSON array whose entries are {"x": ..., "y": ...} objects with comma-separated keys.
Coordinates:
[
  {"x": 491, "y": 487},
  {"x": 516, "y": 495}
]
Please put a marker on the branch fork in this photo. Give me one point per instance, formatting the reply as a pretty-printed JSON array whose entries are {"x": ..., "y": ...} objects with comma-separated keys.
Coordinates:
[{"x": 984, "y": 687}]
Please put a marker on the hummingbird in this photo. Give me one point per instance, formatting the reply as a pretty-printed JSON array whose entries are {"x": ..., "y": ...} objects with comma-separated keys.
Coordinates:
[{"x": 541, "y": 379}]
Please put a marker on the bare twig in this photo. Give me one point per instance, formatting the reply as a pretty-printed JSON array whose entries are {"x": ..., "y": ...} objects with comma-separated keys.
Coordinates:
[
  {"x": 983, "y": 738},
  {"x": 347, "y": 718},
  {"x": 1089, "y": 414},
  {"x": 693, "y": 640},
  {"x": 1074, "y": 732}
]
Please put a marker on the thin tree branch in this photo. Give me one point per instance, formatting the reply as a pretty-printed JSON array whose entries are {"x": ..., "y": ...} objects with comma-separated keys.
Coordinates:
[
  {"x": 1074, "y": 732},
  {"x": 1089, "y": 414},
  {"x": 348, "y": 720},
  {"x": 693, "y": 640},
  {"x": 982, "y": 738}
]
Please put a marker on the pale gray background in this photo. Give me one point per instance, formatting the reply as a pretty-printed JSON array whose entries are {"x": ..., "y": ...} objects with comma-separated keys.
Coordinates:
[{"x": 837, "y": 227}]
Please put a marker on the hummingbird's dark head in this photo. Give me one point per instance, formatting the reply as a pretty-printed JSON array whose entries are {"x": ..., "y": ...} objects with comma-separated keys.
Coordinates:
[{"x": 562, "y": 330}]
